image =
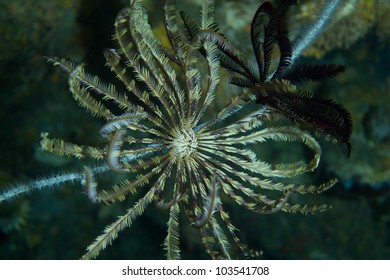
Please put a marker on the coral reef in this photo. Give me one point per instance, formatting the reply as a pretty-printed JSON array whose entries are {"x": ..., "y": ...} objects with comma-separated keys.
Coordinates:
[
  {"x": 157, "y": 132},
  {"x": 25, "y": 25},
  {"x": 382, "y": 24},
  {"x": 357, "y": 227}
]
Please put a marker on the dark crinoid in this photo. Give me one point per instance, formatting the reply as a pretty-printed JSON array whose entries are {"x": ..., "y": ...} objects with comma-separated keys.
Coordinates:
[{"x": 273, "y": 81}]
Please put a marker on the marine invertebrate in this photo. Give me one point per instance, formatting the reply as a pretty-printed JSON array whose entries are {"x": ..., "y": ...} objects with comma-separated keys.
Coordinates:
[
  {"x": 272, "y": 83},
  {"x": 158, "y": 134}
]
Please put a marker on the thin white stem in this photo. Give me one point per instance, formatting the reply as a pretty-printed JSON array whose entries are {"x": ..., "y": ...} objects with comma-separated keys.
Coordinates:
[
  {"x": 312, "y": 33},
  {"x": 44, "y": 183}
]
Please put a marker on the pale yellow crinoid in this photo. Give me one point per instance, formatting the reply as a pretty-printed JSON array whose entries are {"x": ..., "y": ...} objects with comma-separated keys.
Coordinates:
[{"x": 164, "y": 142}]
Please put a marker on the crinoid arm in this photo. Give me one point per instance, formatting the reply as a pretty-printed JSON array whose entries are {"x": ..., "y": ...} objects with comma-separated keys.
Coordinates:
[
  {"x": 111, "y": 232},
  {"x": 269, "y": 32}
]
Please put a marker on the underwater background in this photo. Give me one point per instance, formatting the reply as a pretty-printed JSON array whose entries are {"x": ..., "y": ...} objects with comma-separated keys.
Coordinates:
[{"x": 59, "y": 224}]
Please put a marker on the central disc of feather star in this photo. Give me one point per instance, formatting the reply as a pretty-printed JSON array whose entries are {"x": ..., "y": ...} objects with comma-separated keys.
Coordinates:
[{"x": 184, "y": 144}]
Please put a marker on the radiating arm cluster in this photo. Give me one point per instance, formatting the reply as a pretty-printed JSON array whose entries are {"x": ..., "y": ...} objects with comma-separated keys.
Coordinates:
[{"x": 157, "y": 132}]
